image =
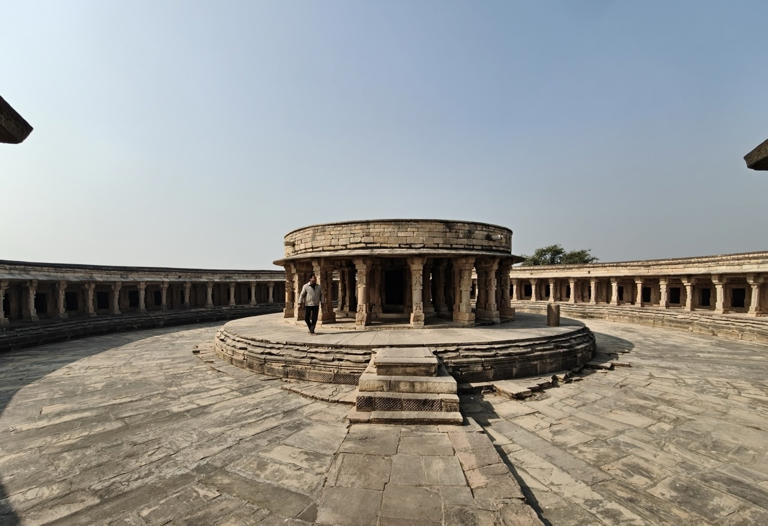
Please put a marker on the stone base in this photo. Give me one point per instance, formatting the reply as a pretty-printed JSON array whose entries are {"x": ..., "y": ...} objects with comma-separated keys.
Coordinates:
[{"x": 404, "y": 417}]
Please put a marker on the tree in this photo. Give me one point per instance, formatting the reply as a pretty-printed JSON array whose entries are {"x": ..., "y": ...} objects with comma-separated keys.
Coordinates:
[{"x": 557, "y": 255}]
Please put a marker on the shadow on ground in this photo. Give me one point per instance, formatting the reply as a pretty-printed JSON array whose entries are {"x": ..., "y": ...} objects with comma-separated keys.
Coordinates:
[{"x": 19, "y": 368}]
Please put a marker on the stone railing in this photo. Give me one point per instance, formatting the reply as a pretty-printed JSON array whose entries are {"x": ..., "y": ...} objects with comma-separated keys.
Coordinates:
[
  {"x": 41, "y": 302},
  {"x": 725, "y": 295}
]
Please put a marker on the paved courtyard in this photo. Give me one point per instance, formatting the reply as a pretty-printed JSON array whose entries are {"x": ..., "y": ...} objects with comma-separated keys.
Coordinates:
[{"x": 132, "y": 428}]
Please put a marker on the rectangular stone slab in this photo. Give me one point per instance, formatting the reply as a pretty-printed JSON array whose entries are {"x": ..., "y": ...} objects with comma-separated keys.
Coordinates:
[{"x": 408, "y": 361}]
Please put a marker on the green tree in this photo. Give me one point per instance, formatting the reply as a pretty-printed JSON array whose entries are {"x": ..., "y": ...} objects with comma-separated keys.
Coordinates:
[{"x": 557, "y": 255}]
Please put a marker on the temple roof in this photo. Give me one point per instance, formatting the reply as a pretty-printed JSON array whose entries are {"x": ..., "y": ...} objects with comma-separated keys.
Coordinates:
[
  {"x": 13, "y": 128},
  {"x": 757, "y": 159}
]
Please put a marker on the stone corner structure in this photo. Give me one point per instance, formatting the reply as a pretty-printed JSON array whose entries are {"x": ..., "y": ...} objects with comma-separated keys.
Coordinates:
[
  {"x": 757, "y": 159},
  {"x": 13, "y": 128}
]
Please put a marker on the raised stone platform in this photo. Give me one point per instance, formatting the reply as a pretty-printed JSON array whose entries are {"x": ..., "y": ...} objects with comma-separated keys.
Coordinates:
[{"x": 340, "y": 354}]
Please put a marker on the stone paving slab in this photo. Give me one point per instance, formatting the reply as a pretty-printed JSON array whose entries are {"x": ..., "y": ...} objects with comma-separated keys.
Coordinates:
[{"x": 133, "y": 428}]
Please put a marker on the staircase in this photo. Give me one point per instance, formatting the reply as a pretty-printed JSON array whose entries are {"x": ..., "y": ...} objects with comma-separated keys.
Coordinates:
[{"x": 406, "y": 386}]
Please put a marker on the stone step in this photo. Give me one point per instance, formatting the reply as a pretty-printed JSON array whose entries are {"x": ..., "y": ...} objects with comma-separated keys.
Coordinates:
[
  {"x": 405, "y": 361},
  {"x": 441, "y": 384},
  {"x": 378, "y": 401},
  {"x": 405, "y": 417}
]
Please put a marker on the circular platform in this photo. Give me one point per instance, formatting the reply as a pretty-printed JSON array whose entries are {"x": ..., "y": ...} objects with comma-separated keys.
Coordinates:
[{"x": 272, "y": 345}]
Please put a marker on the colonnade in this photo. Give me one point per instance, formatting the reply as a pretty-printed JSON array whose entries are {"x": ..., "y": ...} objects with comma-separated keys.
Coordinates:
[
  {"x": 33, "y": 299},
  {"x": 720, "y": 293},
  {"x": 419, "y": 287}
]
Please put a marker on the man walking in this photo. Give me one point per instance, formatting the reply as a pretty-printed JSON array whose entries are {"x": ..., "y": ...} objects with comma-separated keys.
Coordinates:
[{"x": 311, "y": 296}]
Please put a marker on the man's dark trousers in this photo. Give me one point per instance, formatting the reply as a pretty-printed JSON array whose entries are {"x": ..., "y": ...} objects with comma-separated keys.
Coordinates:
[{"x": 310, "y": 316}]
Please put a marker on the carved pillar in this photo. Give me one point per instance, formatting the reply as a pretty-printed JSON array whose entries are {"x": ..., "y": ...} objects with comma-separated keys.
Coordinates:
[
  {"x": 614, "y": 291},
  {"x": 362, "y": 266},
  {"x": 252, "y": 300},
  {"x": 754, "y": 303},
  {"x": 271, "y": 292},
  {"x": 572, "y": 290},
  {"x": 534, "y": 295},
  {"x": 593, "y": 291},
  {"x": 426, "y": 294},
  {"x": 116, "y": 297},
  {"x": 341, "y": 289},
  {"x": 515, "y": 290},
  {"x": 30, "y": 312},
  {"x": 688, "y": 284},
  {"x": 505, "y": 309},
  {"x": 552, "y": 296},
  {"x": 663, "y": 293},
  {"x": 209, "y": 294},
  {"x": 289, "y": 297},
  {"x": 416, "y": 265},
  {"x": 639, "y": 292},
  {"x": 3, "y": 319},
  {"x": 89, "y": 307},
  {"x": 164, "y": 296},
  {"x": 462, "y": 309},
  {"x": 349, "y": 291},
  {"x": 719, "y": 282},
  {"x": 324, "y": 273},
  {"x": 487, "y": 309},
  {"x": 61, "y": 303},
  {"x": 231, "y": 294},
  {"x": 187, "y": 293},
  {"x": 298, "y": 283},
  {"x": 440, "y": 303},
  {"x": 142, "y": 286}
]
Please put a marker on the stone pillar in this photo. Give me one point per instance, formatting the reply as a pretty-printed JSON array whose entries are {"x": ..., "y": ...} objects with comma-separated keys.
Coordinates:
[
  {"x": 252, "y": 300},
  {"x": 639, "y": 292},
  {"x": 462, "y": 309},
  {"x": 209, "y": 294},
  {"x": 440, "y": 304},
  {"x": 593, "y": 291},
  {"x": 30, "y": 313},
  {"x": 187, "y": 294},
  {"x": 688, "y": 284},
  {"x": 3, "y": 319},
  {"x": 515, "y": 290},
  {"x": 348, "y": 291},
  {"x": 426, "y": 294},
  {"x": 271, "y": 292},
  {"x": 340, "y": 286},
  {"x": 116, "y": 297},
  {"x": 754, "y": 303},
  {"x": 142, "y": 286},
  {"x": 362, "y": 267},
  {"x": 298, "y": 283},
  {"x": 289, "y": 293},
  {"x": 719, "y": 283},
  {"x": 61, "y": 299},
  {"x": 552, "y": 296},
  {"x": 505, "y": 309},
  {"x": 553, "y": 315},
  {"x": 486, "y": 308},
  {"x": 416, "y": 265},
  {"x": 324, "y": 273},
  {"x": 614, "y": 291},
  {"x": 534, "y": 296},
  {"x": 231, "y": 294},
  {"x": 663, "y": 293},
  {"x": 164, "y": 296},
  {"x": 89, "y": 307},
  {"x": 572, "y": 287}
]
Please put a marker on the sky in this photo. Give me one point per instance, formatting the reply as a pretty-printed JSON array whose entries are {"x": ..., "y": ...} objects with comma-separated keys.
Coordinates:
[{"x": 197, "y": 134}]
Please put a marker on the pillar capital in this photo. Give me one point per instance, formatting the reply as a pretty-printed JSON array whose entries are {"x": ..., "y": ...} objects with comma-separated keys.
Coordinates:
[
  {"x": 639, "y": 281},
  {"x": 718, "y": 279},
  {"x": 142, "y": 285},
  {"x": 116, "y": 285},
  {"x": 755, "y": 279},
  {"x": 416, "y": 262}
]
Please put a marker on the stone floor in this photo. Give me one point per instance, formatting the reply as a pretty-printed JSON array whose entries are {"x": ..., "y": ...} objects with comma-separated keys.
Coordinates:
[
  {"x": 275, "y": 328},
  {"x": 131, "y": 428}
]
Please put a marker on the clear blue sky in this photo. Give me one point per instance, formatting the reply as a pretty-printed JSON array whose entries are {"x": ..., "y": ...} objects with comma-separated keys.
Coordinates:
[{"x": 198, "y": 134}]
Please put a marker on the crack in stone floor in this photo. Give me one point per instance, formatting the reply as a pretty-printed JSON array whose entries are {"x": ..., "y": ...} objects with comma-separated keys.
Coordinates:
[{"x": 131, "y": 428}]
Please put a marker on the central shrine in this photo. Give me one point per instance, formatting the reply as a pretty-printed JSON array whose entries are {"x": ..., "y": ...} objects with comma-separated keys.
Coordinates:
[{"x": 396, "y": 270}]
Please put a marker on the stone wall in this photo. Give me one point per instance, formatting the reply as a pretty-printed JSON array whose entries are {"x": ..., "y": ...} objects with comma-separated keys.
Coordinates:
[{"x": 401, "y": 234}]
